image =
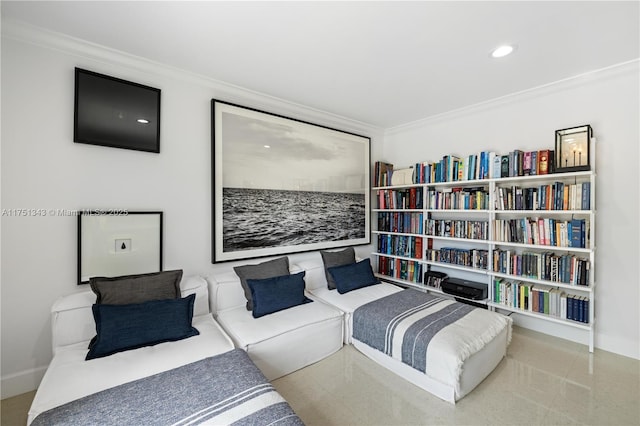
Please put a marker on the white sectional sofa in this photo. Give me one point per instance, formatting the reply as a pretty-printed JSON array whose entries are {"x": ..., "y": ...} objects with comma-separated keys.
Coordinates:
[{"x": 282, "y": 342}]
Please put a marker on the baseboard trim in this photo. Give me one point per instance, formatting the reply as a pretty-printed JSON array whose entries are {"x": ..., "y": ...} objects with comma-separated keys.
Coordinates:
[{"x": 21, "y": 382}]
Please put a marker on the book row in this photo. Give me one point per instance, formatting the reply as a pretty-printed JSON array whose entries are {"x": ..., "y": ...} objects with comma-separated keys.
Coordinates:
[
  {"x": 543, "y": 231},
  {"x": 408, "y": 270},
  {"x": 458, "y": 198},
  {"x": 556, "y": 196},
  {"x": 403, "y": 222},
  {"x": 484, "y": 165},
  {"x": 400, "y": 245},
  {"x": 470, "y": 229},
  {"x": 382, "y": 173},
  {"x": 541, "y": 299},
  {"x": 472, "y": 258},
  {"x": 409, "y": 198},
  {"x": 566, "y": 269}
]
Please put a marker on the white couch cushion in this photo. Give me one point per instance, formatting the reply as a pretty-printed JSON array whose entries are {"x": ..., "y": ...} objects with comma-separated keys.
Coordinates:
[
  {"x": 246, "y": 330},
  {"x": 315, "y": 276},
  {"x": 285, "y": 341},
  {"x": 352, "y": 300}
]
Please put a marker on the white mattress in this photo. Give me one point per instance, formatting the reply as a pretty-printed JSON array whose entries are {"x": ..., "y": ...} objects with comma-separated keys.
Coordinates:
[
  {"x": 352, "y": 300},
  {"x": 70, "y": 377}
]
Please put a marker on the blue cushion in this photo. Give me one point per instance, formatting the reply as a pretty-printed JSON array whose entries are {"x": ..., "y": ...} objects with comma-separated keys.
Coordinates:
[
  {"x": 271, "y": 295},
  {"x": 353, "y": 276},
  {"x": 125, "y": 327}
]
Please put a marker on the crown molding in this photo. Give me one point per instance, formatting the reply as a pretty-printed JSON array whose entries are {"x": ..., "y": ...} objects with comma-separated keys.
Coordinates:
[
  {"x": 532, "y": 93},
  {"x": 23, "y": 32}
]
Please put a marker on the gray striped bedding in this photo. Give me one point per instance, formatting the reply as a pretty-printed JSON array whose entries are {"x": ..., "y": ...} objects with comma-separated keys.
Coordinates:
[
  {"x": 221, "y": 390},
  {"x": 433, "y": 335}
]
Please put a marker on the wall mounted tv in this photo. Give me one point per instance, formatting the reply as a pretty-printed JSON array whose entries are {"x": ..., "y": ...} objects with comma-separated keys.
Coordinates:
[{"x": 117, "y": 113}]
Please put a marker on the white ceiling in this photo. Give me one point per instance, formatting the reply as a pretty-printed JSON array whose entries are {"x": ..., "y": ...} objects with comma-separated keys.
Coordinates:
[{"x": 383, "y": 63}]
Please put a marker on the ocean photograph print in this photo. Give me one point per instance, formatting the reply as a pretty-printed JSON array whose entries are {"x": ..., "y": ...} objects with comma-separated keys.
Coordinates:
[{"x": 284, "y": 186}]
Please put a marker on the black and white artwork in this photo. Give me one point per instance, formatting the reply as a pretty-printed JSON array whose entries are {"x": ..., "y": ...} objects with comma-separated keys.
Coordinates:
[
  {"x": 117, "y": 242},
  {"x": 282, "y": 185}
]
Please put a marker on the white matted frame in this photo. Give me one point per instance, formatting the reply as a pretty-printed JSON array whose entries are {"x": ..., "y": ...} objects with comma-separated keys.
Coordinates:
[
  {"x": 282, "y": 185},
  {"x": 115, "y": 243}
]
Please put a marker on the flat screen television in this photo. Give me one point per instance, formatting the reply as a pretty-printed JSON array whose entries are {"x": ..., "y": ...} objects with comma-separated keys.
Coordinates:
[{"x": 112, "y": 112}]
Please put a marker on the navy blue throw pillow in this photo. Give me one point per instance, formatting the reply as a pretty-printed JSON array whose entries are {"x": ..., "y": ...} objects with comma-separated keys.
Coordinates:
[
  {"x": 353, "y": 276},
  {"x": 275, "y": 294},
  {"x": 124, "y": 327}
]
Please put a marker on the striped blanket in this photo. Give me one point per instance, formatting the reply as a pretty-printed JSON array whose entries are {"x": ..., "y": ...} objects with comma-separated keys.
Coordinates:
[
  {"x": 220, "y": 390},
  {"x": 433, "y": 335}
]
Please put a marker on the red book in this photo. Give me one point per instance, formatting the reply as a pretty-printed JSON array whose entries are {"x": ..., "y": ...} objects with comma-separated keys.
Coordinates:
[
  {"x": 543, "y": 162},
  {"x": 418, "y": 251}
]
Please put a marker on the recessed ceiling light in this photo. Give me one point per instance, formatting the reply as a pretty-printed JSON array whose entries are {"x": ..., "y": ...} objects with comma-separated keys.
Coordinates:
[
  {"x": 142, "y": 121},
  {"x": 502, "y": 51},
  {"x": 267, "y": 146}
]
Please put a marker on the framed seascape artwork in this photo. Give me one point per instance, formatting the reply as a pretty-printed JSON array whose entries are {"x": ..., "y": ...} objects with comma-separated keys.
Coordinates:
[
  {"x": 112, "y": 243},
  {"x": 282, "y": 185}
]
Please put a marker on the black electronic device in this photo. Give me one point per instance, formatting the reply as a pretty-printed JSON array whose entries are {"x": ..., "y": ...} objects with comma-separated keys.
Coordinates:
[
  {"x": 466, "y": 289},
  {"x": 117, "y": 113}
]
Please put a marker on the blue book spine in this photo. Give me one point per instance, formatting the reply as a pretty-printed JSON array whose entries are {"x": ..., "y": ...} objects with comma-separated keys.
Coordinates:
[
  {"x": 586, "y": 310},
  {"x": 570, "y": 307},
  {"x": 534, "y": 163},
  {"x": 576, "y": 228},
  {"x": 586, "y": 196}
]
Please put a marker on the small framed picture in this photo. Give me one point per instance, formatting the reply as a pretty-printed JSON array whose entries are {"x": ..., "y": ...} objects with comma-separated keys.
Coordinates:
[
  {"x": 573, "y": 149},
  {"x": 112, "y": 243}
]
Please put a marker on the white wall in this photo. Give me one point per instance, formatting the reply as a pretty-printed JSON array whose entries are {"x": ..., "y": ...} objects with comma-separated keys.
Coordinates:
[
  {"x": 43, "y": 169},
  {"x": 609, "y": 101}
]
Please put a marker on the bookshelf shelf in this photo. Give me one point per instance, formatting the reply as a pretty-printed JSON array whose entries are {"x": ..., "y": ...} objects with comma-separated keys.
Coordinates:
[
  {"x": 543, "y": 212},
  {"x": 572, "y": 287},
  {"x": 555, "y": 208},
  {"x": 458, "y": 267},
  {"x": 395, "y": 256},
  {"x": 472, "y": 211},
  {"x": 542, "y": 247},
  {"x": 423, "y": 287},
  {"x": 398, "y": 210},
  {"x": 464, "y": 240},
  {"x": 404, "y": 234},
  {"x": 545, "y": 317}
]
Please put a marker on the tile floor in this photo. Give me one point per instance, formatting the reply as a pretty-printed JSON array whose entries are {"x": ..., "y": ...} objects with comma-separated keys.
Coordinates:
[{"x": 543, "y": 381}]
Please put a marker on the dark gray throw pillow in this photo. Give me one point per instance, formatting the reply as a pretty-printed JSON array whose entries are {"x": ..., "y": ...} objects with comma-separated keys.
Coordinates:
[
  {"x": 269, "y": 269},
  {"x": 336, "y": 258},
  {"x": 138, "y": 288}
]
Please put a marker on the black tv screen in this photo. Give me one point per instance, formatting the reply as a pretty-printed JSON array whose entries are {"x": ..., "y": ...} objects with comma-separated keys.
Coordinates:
[{"x": 116, "y": 113}]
